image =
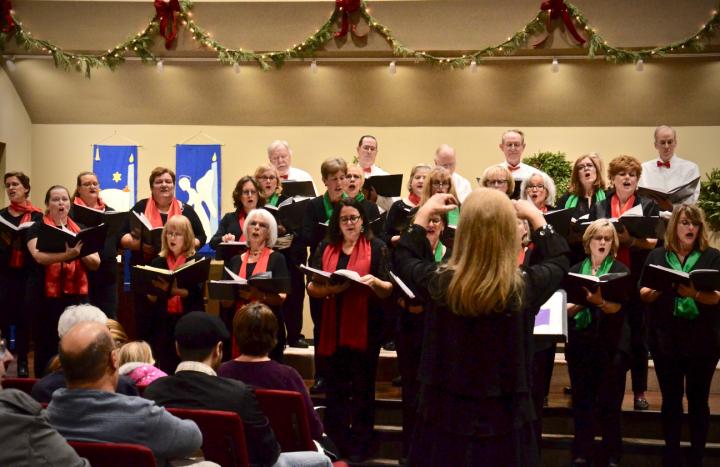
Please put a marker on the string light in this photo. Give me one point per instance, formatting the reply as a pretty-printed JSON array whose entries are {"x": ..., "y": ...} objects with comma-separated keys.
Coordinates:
[{"x": 555, "y": 65}]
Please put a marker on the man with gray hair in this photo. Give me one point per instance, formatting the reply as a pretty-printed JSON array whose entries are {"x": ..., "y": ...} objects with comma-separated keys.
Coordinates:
[
  {"x": 89, "y": 409},
  {"x": 445, "y": 157},
  {"x": 668, "y": 171},
  {"x": 43, "y": 390},
  {"x": 280, "y": 155}
]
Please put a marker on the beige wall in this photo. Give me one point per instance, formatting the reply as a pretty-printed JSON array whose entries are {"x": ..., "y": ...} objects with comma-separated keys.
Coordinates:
[
  {"x": 15, "y": 130},
  {"x": 61, "y": 151}
]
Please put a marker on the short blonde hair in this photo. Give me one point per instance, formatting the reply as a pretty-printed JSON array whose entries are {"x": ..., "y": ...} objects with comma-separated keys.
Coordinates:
[
  {"x": 136, "y": 351},
  {"x": 599, "y": 226},
  {"x": 182, "y": 224},
  {"x": 415, "y": 170},
  {"x": 437, "y": 174},
  {"x": 268, "y": 168},
  {"x": 501, "y": 170},
  {"x": 695, "y": 215}
]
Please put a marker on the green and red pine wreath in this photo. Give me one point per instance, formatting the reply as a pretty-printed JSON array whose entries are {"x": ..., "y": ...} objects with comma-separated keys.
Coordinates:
[{"x": 171, "y": 16}]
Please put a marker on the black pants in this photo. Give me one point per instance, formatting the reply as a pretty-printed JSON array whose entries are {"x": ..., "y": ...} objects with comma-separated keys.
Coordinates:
[
  {"x": 638, "y": 347},
  {"x": 691, "y": 375},
  {"x": 293, "y": 307},
  {"x": 14, "y": 313},
  {"x": 105, "y": 297},
  {"x": 543, "y": 362},
  {"x": 350, "y": 415},
  {"x": 45, "y": 329},
  {"x": 409, "y": 348},
  {"x": 597, "y": 377}
]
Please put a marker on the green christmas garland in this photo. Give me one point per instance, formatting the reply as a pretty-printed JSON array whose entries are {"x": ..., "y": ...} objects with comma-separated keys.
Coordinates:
[{"x": 140, "y": 44}]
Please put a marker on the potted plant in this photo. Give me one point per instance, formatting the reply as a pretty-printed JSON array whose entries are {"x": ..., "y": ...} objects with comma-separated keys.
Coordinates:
[
  {"x": 709, "y": 202},
  {"x": 555, "y": 165}
]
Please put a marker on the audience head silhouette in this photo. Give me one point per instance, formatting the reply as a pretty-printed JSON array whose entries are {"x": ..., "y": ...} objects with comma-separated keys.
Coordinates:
[{"x": 88, "y": 358}]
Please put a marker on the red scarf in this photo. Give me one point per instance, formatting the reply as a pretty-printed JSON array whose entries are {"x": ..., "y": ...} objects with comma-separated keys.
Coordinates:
[
  {"x": 67, "y": 277},
  {"x": 174, "y": 305},
  {"x": 623, "y": 254},
  {"x": 100, "y": 205},
  {"x": 260, "y": 266},
  {"x": 241, "y": 222},
  {"x": 352, "y": 331},
  {"x": 153, "y": 214},
  {"x": 17, "y": 257},
  {"x": 413, "y": 198}
]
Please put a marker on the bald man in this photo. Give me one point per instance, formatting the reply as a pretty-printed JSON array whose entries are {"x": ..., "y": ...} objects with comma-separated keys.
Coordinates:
[
  {"x": 445, "y": 157},
  {"x": 90, "y": 410}
]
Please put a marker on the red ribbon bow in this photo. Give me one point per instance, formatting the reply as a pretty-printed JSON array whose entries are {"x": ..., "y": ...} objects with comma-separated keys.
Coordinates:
[
  {"x": 558, "y": 9},
  {"x": 663, "y": 164},
  {"x": 345, "y": 7},
  {"x": 166, "y": 14},
  {"x": 513, "y": 168},
  {"x": 5, "y": 12}
]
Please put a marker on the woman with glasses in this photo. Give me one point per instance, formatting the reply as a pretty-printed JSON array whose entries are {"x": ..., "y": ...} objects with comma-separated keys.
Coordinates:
[
  {"x": 399, "y": 213},
  {"x": 352, "y": 317},
  {"x": 15, "y": 266},
  {"x": 178, "y": 248},
  {"x": 439, "y": 180},
  {"x": 260, "y": 230},
  {"x": 498, "y": 177},
  {"x": 624, "y": 173},
  {"x": 158, "y": 209},
  {"x": 684, "y": 327},
  {"x": 246, "y": 196},
  {"x": 474, "y": 405},
  {"x": 539, "y": 189},
  {"x": 354, "y": 180},
  {"x": 268, "y": 179},
  {"x": 596, "y": 351},
  {"x": 103, "y": 283}
]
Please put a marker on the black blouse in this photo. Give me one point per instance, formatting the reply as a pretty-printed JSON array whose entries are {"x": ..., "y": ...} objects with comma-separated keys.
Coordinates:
[
  {"x": 475, "y": 371},
  {"x": 5, "y": 244},
  {"x": 228, "y": 224},
  {"x": 671, "y": 335},
  {"x": 107, "y": 272},
  {"x": 194, "y": 301}
]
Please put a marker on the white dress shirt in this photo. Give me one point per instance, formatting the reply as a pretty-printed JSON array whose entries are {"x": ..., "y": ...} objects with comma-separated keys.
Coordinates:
[
  {"x": 462, "y": 186},
  {"x": 666, "y": 179},
  {"x": 523, "y": 172}
]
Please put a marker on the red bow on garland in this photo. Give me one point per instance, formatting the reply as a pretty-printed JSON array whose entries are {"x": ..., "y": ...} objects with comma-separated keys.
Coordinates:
[
  {"x": 166, "y": 14},
  {"x": 5, "y": 11},
  {"x": 558, "y": 9},
  {"x": 345, "y": 7}
]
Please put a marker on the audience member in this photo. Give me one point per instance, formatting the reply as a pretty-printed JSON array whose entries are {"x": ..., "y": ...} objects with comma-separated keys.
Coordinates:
[
  {"x": 90, "y": 410},
  {"x": 136, "y": 361},
  {"x": 198, "y": 339}
]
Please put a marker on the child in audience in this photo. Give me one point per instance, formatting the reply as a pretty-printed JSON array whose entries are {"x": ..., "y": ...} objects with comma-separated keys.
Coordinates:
[{"x": 137, "y": 362}]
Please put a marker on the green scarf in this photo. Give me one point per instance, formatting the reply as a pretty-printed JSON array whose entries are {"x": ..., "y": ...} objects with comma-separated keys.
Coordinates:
[
  {"x": 454, "y": 216},
  {"x": 329, "y": 206},
  {"x": 685, "y": 307},
  {"x": 439, "y": 252},
  {"x": 273, "y": 200},
  {"x": 360, "y": 197},
  {"x": 583, "y": 318},
  {"x": 572, "y": 200}
]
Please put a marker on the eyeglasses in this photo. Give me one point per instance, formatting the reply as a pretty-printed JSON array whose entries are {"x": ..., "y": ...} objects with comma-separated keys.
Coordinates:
[
  {"x": 535, "y": 187},
  {"x": 267, "y": 178},
  {"x": 589, "y": 166},
  {"x": 687, "y": 223},
  {"x": 174, "y": 234},
  {"x": 435, "y": 220},
  {"x": 349, "y": 219},
  {"x": 249, "y": 192},
  {"x": 496, "y": 182},
  {"x": 89, "y": 184},
  {"x": 513, "y": 145},
  {"x": 441, "y": 184},
  {"x": 262, "y": 225},
  {"x": 602, "y": 237}
]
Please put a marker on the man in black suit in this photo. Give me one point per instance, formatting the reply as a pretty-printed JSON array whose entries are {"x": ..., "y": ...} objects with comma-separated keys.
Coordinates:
[{"x": 195, "y": 385}]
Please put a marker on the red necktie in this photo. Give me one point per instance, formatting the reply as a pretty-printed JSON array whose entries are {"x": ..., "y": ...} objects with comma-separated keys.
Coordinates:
[
  {"x": 663, "y": 164},
  {"x": 513, "y": 169}
]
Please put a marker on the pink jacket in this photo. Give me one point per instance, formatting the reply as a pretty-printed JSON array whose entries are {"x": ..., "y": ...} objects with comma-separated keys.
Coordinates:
[{"x": 142, "y": 373}]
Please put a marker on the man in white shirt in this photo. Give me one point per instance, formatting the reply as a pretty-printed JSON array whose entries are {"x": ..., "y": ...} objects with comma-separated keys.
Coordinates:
[
  {"x": 512, "y": 144},
  {"x": 280, "y": 155},
  {"x": 367, "y": 150},
  {"x": 668, "y": 171},
  {"x": 445, "y": 157}
]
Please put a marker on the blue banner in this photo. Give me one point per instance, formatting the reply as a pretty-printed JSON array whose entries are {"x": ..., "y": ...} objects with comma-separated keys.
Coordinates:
[
  {"x": 116, "y": 169},
  {"x": 198, "y": 182}
]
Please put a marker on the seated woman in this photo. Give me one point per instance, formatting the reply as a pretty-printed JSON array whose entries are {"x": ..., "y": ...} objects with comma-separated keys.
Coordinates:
[
  {"x": 597, "y": 350},
  {"x": 498, "y": 177},
  {"x": 178, "y": 247},
  {"x": 684, "y": 330},
  {"x": 539, "y": 189},
  {"x": 260, "y": 229},
  {"x": 474, "y": 406},
  {"x": 255, "y": 330}
]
